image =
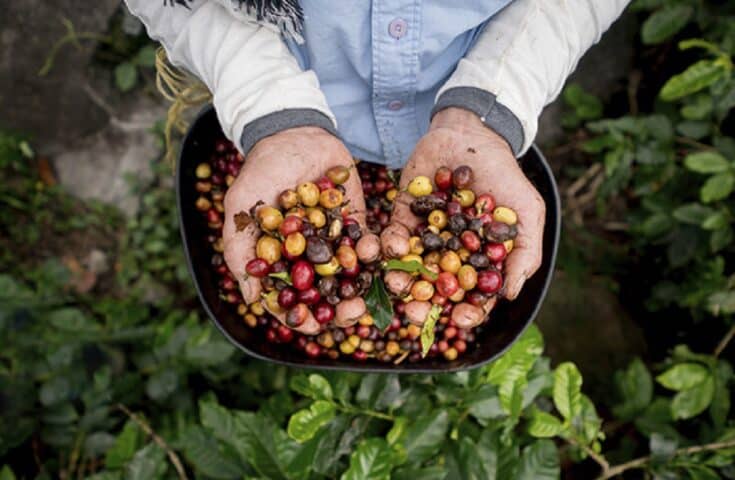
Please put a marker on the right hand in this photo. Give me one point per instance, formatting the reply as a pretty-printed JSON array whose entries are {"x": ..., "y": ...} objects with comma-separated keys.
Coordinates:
[{"x": 277, "y": 163}]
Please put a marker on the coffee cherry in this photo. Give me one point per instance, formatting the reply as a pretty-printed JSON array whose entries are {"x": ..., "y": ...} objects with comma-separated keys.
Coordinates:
[
  {"x": 496, "y": 252},
  {"x": 203, "y": 204},
  {"x": 302, "y": 275},
  {"x": 288, "y": 199},
  {"x": 287, "y": 297},
  {"x": 257, "y": 267},
  {"x": 347, "y": 289},
  {"x": 268, "y": 248},
  {"x": 271, "y": 335},
  {"x": 431, "y": 242},
  {"x": 338, "y": 174},
  {"x": 450, "y": 262},
  {"x": 316, "y": 217},
  {"x": 508, "y": 244},
  {"x": 438, "y": 219},
  {"x": 443, "y": 178},
  {"x": 462, "y": 177},
  {"x": 422, "y": 290},
  {"x": 479, "y": 261},
  {"x": 295, "y": 244},
  {"x": 203, "y": 171},
  {"x": 451, "y": 354},
  {"x": 485, "y": 203},
  {"x": 313, "y": 349},
  {"x": 308, "y": 194},
  {"x": 318, "y": 250},
  {"x": 466, "y": 198},
  {"x": 489, "y": 281},
  {"x": 324, "y": 313},
  {"x": 505, "y": 215},
  {"x": 470, "y": 241},
  {"x": 476, "y": 298},
  {"x": 467, "y": 277},
  {"x": 447, "y": 284},
  {"x": 324, "y": 183},
  {"x": 310, "y": 296},
  {"x": 347, "y": 256},
  {"x": 291, "y": 224},
  {"x": 330, "y": 198},
  {"x": 420, "y": 186},
  {"x": 297, "y": 315}
]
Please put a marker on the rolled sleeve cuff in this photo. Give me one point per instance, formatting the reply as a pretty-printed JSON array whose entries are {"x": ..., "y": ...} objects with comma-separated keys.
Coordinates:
[
  {"x": 493, "y": 114},
  {"x": 275, "y": 122}
]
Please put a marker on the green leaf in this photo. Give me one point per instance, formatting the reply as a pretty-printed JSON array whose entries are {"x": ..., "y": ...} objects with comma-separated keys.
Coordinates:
[
  {"x": 146, "y": 56},
  {"x": 425, "y": 436},
  {"x": 125, "y": 446},
  {"x": 662, "y": 448},
  {"x": 372, "y": 460},
  {"x": 427, "y": 330},
  {"x": 544, "y": 425},
  {"x": 285, "y": 276},
  {"x": 656, "y": 225},
  {"x": 54, "y": 390},
  {"x": 148, "y": 463},
  {"x": 567, "y": 390},
  {"x": 659, "y": 127},
  {"x": 706, "y": 162},
  {"x": 587, "y": 423},
  {"x": 203, "y": 451},
  {"x": 411, "y": 267},
  {"x": 699, "y": 108},
  {"x": 683, "y": 376},
  {"x": 690, "y": 43},
  {"x": 692, "y": 213},
  {"x": 698, "y": 76},
  {"x": 694, "y": 129},
  {"x": 126, "y": 76},
  {"x": 720, "y": 239},
  {"x": 436, "y": 472},
  {"x": 664, "y": 23},
  {"x": 162, "y": 384},
  {"x": 721, "y": 303},
  {"x": 539, "y": 461},
  {"x": 72, "y": 320},
  {"x": 304, "y": 424},
  {"x": 635, "y": 387},
  {"x": 510, "y": 371},
  {"x": 334, "y": 441},
  {"x": 717, "y": 187},
  {"x": 702, "y": 472},
  {"x": 6, "y": 473},
  {"x": 379, "y": 391},
  {"x": 586, "y": 106},
  {"x": 716, "y": 221},
  {"x": 692, "y": 402},
  {"x": 720, "y": 406},
  {"x": 469, "y": 461},
  {"x": 379, "y": 303},
  {"x": 313, "y": 386}
]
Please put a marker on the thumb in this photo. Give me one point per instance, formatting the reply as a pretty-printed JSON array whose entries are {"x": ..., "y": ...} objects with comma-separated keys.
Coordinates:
[
  {"x": 356, "y": 197},
  {"x": 239, "y": 250}
]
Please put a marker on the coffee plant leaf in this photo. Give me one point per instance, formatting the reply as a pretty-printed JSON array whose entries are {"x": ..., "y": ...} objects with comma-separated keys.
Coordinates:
[
  {"x": 304, "y": 424},
  {"x": 664, "y": 23},
  {"x": 372, "y": 460},
  {"x": 683, "y": 376},
  {"x": 567, "y": 390}
]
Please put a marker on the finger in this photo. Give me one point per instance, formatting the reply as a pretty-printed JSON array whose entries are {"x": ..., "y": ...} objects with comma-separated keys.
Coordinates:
[
  {"x": 489, "y": 305},
  {"x": 394, "y": 240},
  {"x": 356, "y": 198},
  {"x": 525, "y": 258}
]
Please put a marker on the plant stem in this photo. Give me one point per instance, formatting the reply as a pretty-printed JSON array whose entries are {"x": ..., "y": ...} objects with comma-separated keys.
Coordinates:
[
  {"x": 693, "y": 143},
  {"x": 640, "y": 462},
  {"x": 600, "y": 459},
  {"x": 159, "y": 441},
  {"x": 724, "y": 342},
  {"x": 369, "y": 413}
]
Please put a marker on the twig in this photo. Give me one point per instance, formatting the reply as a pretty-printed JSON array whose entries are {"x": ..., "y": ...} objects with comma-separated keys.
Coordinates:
[
  {"x": 693, "y": 143},
  {"x": 579, "y": 183},
  {"x": 598, "y": 458},
  {"x": 640, "y": 462},
  {"x": 159, "y": 441},
  {"x": 724, "y": 342}
]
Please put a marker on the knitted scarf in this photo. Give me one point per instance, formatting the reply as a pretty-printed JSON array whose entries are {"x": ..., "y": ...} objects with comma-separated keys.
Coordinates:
[{"x": 286, "y": 15}]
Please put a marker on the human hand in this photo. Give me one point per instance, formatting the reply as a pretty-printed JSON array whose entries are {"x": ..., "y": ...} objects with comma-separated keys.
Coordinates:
[
  {"x": 458, "y": 137},
  {"x": 276, "y": 163}
]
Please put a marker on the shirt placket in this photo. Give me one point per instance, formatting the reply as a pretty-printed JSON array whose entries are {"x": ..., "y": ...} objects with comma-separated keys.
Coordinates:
[{"x": 396, "y": 35}]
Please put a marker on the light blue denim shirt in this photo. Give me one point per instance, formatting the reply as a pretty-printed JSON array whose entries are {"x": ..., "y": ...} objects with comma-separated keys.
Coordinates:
[{"x": 381, "y": 62}]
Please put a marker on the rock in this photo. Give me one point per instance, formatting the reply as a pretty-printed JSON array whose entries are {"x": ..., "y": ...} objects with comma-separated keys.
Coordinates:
[
  {"x": 53, "y": 107},
  {"x": 96, "y": 166},
  {"x": 583, "y": 321},
  {"x": 602, "y": 70}
]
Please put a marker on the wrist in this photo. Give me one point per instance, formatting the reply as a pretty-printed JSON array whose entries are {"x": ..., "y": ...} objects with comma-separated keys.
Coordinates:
[{"x": 465, "y": 122}]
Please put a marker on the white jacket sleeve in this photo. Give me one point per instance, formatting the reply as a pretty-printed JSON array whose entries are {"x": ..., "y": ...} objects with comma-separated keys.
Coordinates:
[
  {"x": 521, "y": 61},
  {"x": 255, "y": 81}
]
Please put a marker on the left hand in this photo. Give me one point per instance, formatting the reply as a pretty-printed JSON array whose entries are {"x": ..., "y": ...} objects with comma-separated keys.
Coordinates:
[{"x": 458, "y": 137}]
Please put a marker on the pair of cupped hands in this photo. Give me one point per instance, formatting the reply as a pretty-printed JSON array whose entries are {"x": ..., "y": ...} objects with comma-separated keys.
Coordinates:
[{"x": 456, "y": 137}]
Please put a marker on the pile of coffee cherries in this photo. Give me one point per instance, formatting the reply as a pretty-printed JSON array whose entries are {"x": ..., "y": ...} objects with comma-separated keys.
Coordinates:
[{"x": 316, "y": 264}]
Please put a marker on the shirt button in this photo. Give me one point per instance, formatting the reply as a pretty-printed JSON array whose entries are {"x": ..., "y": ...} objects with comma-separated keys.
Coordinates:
[
  {"x": 395, "y": 105},
  {"x": 397, "y": 28}
]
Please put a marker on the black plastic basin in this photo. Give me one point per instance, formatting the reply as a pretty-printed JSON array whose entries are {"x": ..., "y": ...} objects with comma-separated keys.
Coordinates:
[{"x": 507, "y": 321}]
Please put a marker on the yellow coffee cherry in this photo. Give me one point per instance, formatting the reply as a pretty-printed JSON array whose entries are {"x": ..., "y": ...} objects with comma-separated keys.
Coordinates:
[
  {"x": 269, "y": 218},
  {"x": 413, "y": 331},
  {"x": 354, "y": 340},
  {"x": 467, "y": 277},
  {"x": 271, "y": 302},
  {"x": 347, "y": 348},
  {"x": 268, "y": 248},
  {"x": 257, "y": 309},
  {"x": 458, "y": 296},
  {"x": 229, "y": 180},
  {"x": 367, "y": 346},
  {"x": 445, "y": 235},
  {"x": 325, "y": 339},
  {"x": 203, "y": 170},
  {"x": 316, "y": 217},
  {"x": 295, "y": 244},
  {"x": 392, "y": 348},
  {"x": 463, "y": 253},
  {"x": 508, "y": 244},
  {"x": 288, "y": 199},
  {"x": 433, "y": 267},
  {"x": 327, "y": 269},
  {"x": 412, "y": 257},
  {"x": 438, "y": 219},
  {"x": 308, "y": 194},
  {"x": 390, "y": 195},
  {"x": 330, "y": 198},
  {"x": 296, "y": 211},
  {"x": 415, "y": 245},
  {"x": 432, "y": 258},
  {"x": 505, "y": 215},
  {"x": 366, "y": 320},
  {"x": 420, "y": 186},
  {"x": 450, "y": 353},
  {"x": 466, "y": 198},
  {"x": 450, "y": 262},
  {"x": 251, "y": 320},
  {"x": 433, "y": 229},
  {"x": 422, "y": 290},
  {"x": 402, "y": 332},
  {"x": 242, "y": 309}
]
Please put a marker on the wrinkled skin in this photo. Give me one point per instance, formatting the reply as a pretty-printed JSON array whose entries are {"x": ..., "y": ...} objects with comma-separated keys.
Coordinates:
[
  {"x": 458, "y": 137},
  {"x": 276, "y": 163}
]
